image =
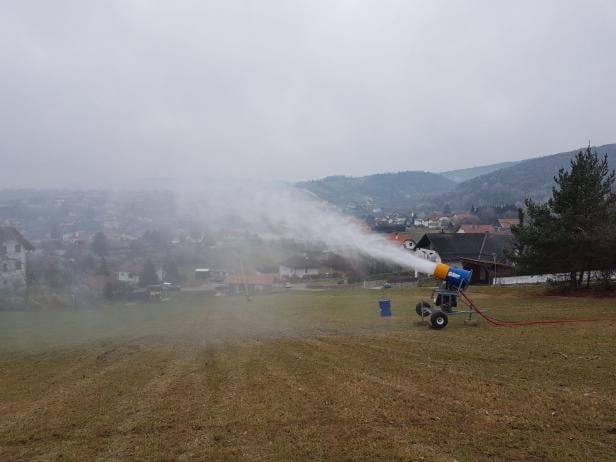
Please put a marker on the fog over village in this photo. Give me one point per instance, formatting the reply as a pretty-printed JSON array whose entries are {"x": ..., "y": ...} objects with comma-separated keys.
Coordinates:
[{"x": 219, "y": 202}]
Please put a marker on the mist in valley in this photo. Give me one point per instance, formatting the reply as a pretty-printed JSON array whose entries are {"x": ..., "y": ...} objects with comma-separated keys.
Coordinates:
[{"x": 150, "y": 144}]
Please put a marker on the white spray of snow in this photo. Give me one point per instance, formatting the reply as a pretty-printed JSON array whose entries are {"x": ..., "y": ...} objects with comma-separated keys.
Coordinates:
[{"x": 297, "y": 214}]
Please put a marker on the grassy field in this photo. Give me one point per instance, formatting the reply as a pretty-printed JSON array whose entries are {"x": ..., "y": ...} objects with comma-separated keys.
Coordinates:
[{"x": 308, "y": 376}]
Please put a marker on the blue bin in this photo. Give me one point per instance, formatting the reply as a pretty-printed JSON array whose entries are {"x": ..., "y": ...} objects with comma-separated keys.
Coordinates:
[{"x": 385, "y": 307}]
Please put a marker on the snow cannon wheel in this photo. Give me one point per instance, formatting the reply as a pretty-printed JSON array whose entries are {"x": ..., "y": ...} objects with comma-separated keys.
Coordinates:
[
  {"x": 423, "y": 309},
  {"x": 439, "y": 320}
]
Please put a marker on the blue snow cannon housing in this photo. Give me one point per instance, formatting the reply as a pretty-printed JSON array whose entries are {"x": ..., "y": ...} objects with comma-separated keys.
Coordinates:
[{"x": 458, "y": 278}]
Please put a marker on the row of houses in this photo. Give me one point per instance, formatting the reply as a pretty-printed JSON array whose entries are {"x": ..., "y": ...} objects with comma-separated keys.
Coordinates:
[
  {"x": 487, "y": 254},
  {"x": 451, "y": 223},
  {"x": 14, "y": 249},
  {"x": 485, "y": 251},
  {"x": 504, "y": 226}
]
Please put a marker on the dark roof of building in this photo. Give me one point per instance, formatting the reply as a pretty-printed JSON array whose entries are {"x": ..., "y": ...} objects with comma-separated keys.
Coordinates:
[
  {"x": 486, "y": 263},
  {"x": 477, "y": 229},
  {"x": 455, "y": 246},
  {"x": 9, "y": 233}
]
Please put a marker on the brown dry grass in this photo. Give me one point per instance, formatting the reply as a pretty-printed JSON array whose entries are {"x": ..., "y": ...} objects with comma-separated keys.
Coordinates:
[{"x": 370, "y": 389}]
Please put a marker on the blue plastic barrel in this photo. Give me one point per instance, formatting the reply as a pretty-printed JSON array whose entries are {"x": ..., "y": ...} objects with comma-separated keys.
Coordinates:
[{"x": 385, "y": 307}]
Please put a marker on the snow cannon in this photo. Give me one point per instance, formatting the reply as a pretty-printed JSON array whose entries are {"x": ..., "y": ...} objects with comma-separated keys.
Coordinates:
[
  {"x": 445, "y": 298},
  {"x": 456, "y": 278}
]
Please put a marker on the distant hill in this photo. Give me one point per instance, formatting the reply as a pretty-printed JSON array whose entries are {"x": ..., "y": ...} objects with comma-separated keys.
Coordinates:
[
  {"x": 464, "y": 174},
  {"x": 532, "y": 178},
  {"x": 497, "y": 184},
  {"x": 391, "y": 190}
]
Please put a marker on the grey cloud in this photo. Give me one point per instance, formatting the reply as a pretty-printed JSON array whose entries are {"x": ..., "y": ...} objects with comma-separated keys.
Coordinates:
[{"x": 106, "y": 93}]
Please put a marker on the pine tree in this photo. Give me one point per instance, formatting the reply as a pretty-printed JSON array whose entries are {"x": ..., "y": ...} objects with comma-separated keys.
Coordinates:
[{"x": 571, "y": 233}]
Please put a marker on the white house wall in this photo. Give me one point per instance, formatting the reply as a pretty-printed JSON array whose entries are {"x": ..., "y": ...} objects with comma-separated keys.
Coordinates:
[
  {"x": 285, "y": 271},
  {"x": 13, "y": 260}
]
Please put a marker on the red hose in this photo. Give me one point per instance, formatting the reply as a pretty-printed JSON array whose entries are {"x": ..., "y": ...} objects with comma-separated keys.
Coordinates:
[{"x": 497, "y": 322}]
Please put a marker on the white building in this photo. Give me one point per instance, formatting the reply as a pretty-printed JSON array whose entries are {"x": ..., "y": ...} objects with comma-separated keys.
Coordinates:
[
  {"x": 13, "y": 249},
  {"x": 298, "y": 267},
  {"x": 127, "y": 276},
  {"x": 130, "y": 271},
  {"x": 427, "y": 254},
  {"x": 133, "y": 276}
]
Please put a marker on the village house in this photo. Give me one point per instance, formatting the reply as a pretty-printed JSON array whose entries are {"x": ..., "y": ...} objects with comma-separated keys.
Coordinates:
[
  {"x": 127, "y": 275},
  {"x": 400, "y": 240},
  {"x": 298, "y": 267},
  {"x": 445, "y": 223},
  {"x": 486, "y": 254},
  {"x": 130, "y": 271},
  {"x": 13, "y": 249},
  {"x": 469, "y": 229}
]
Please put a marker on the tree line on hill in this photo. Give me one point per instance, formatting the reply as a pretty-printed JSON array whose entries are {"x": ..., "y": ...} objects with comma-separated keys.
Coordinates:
[
  {"x": 392, "y": 190},
  {"x": 530, "y": 178},
  {"x": 508, "y": 183}
]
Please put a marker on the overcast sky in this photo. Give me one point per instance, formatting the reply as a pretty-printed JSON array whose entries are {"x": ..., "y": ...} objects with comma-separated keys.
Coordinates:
[{"x": 110, "y": 92}]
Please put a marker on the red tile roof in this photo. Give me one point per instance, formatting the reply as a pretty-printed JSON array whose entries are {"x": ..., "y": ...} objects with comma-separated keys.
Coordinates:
[
  {"x": 474, "y": 229},
  {"x": 398, "y": 239},
  {"x": 508, "y": 222}
]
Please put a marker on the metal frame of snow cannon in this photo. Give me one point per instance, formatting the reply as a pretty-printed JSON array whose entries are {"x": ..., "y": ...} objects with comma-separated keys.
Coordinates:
[{"x": 446, "y": 297}]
